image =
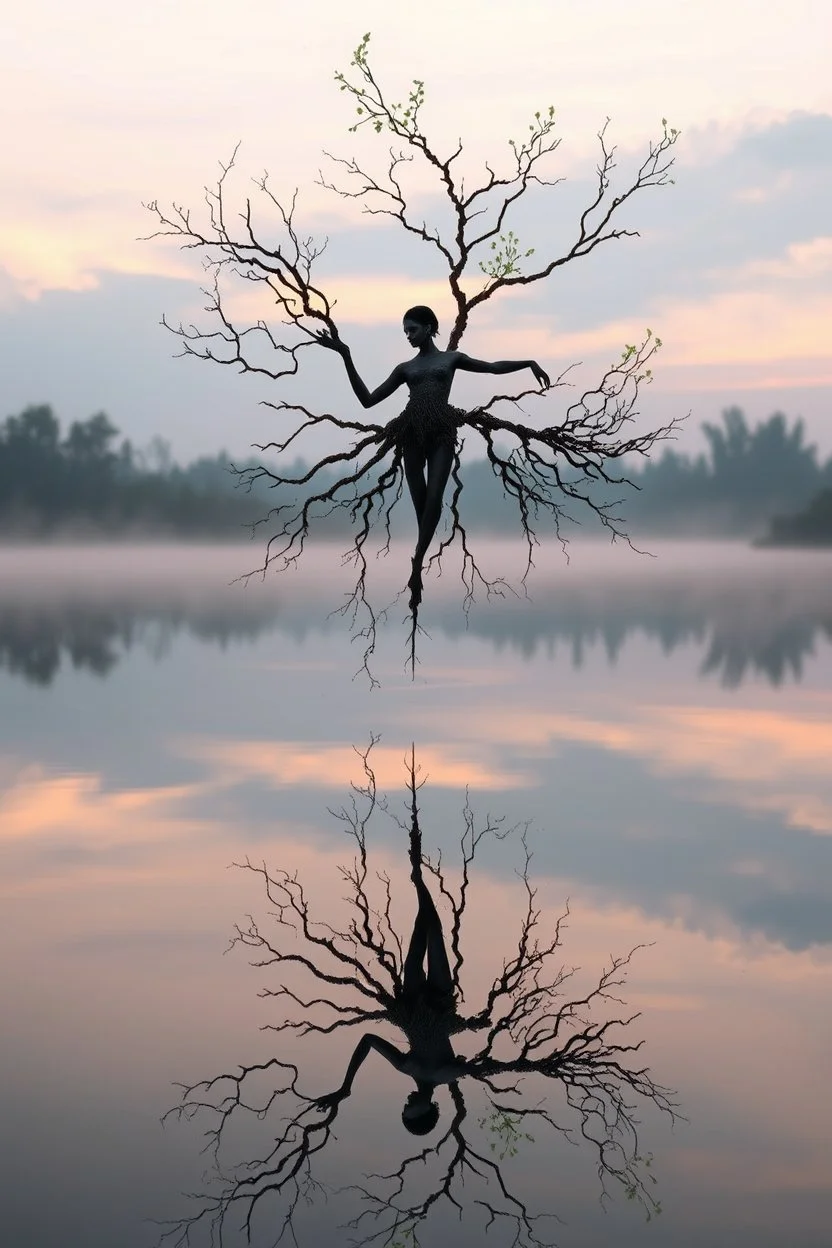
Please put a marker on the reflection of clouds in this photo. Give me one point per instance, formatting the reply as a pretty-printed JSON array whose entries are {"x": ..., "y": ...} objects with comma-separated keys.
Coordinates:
[
  {"x": 61, "y": 833},
  {"x": 327, "y": 764},
  {"x": 36, "y": 804},
  {"x": 812, "y": 259},
  {"x": 744, "y": 1165},
  {"x": 130, "y": 985},
  {"x": 763, "y": 760},
  {"x": 726, "y": 1009},
  {"x": 680, "y": 810}
]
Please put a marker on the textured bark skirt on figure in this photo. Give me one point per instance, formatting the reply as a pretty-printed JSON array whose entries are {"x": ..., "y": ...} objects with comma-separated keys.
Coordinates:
[{"x": 426, "y": 422}]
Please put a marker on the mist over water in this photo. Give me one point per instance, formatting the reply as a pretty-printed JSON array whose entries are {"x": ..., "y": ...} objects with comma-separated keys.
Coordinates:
[
  {"x": 752, "y": 613},
  {"x": 663, "y": 723}
]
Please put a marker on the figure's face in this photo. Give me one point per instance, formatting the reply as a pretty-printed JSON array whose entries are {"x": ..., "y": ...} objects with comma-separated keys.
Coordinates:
[{"x": 417, "y": 335}]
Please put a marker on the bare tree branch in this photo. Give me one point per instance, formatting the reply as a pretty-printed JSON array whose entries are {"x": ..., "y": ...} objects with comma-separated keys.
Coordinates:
[
  {"x": 550, "y": 464},
  {"x": 553, "y": 1064}
]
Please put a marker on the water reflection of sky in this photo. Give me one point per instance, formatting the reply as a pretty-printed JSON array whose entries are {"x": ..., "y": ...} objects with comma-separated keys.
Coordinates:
[{"x": 677, "y": 798}]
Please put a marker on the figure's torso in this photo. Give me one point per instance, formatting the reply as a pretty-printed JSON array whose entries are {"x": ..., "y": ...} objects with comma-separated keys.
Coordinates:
[
  {"x": 430, "y": 376},
  {"x": 428, "y": 1025}
]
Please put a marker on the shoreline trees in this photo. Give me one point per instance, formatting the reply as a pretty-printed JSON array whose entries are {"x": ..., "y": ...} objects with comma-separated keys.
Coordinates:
[{"x": 754, "y": 482}]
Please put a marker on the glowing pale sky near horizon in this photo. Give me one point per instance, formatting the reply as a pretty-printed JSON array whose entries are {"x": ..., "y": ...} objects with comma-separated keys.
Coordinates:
[{"x": 108, "y": 107}]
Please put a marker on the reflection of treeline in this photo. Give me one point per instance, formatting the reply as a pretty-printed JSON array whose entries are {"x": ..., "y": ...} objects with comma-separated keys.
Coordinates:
[
  {"x": 37, "y": 639},
  {"x": 765, "y": 625},
  {"x": 741, "y": 632},
  {"x": 88, "y": 479}
]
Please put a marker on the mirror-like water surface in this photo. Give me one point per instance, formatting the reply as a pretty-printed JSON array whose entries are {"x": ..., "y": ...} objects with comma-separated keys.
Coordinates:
[{"x": 664, "y": 724}]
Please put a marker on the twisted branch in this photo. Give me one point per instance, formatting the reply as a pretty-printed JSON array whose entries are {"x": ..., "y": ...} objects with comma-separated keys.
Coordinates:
[
  {"x": 547, "y": 470},
  {"x": 569, "y": 1050}
]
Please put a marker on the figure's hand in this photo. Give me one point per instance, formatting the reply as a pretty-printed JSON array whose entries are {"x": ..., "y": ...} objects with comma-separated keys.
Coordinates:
[
  {"x": 540, "y": 377},
  {"x": 330, "y": 1100},
  {"x": 331, "y": 341}
]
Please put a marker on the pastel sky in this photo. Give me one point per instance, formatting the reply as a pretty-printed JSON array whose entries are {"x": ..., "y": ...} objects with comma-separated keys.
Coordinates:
[{"x": 109, "y": 107}]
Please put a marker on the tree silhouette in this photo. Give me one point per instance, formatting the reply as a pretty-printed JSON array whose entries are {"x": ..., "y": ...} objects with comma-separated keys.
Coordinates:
[
  {"x": 543, "y": 463},
  {"x": 551, "y": 1062},
  {"x": 82, "y": 479},
  {"x": 811, "y": 527}
]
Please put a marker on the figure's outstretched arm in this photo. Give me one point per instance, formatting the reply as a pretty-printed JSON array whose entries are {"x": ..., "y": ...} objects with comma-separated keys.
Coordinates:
[
  {"x": 469, "y": 365},
  {"x": 367, "y": 398},
  {"x": 362, "y": 1050}
]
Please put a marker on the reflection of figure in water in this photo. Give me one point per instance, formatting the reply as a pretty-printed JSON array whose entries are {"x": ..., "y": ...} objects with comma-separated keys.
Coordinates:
[
  {"x": 545, "y": 1057},
  {"x": 424, "y": 1007},
  {"x": 426, "y": 431}
]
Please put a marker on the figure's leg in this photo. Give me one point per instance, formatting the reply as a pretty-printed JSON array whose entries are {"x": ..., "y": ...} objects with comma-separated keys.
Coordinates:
[
  {"x": 427, "y": 940},
  {"x": 414, "y": 471},
  {"x": 414, "y": 978},
  {"x": 440, "y": 461},
  {"x": 439, "y": 970}
]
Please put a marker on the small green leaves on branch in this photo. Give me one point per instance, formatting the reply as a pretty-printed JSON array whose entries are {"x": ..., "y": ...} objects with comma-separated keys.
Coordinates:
[
  {"x": 507, "y": 252},
  {"x": 650, "y": 344},
  {"x": 480, "y": 216},
  {"x": 401, "y": 119},
  {"x": 556, "y": 1052},
  {"x": 636, "y": 1185},
  {"x": 504, "y": 1126},
  {"x": 544, "y": 462}
]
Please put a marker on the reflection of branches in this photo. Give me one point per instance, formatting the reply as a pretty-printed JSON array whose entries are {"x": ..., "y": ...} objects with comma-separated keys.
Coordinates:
[
  {"x": 389, "y": 1216},
  {"x": 546, "y": 468},
  {"x": 286, "y": 1169},
  {"x": 533, "y": 1028}
]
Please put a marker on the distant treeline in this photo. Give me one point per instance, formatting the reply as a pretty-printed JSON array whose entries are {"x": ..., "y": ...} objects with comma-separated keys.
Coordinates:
[
  {"x": 746, "y": 477},
  {"x": 745, "y": 484},
  {"x": 810, "y": 527},
  {"x": 89, "y": 481}
]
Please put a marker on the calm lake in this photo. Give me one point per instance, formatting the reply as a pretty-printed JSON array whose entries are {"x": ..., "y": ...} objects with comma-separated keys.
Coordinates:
[{"x": 662, "y": 724}]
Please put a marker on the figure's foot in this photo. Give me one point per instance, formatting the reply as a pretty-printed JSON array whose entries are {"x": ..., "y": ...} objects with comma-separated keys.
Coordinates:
[{"x": 415, "y": 585}]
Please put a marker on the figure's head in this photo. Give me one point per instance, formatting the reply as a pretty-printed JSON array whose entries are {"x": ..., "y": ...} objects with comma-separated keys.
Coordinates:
[
  {"x": 419, "y": 324},
  {"x": 421, "y": 1113}
]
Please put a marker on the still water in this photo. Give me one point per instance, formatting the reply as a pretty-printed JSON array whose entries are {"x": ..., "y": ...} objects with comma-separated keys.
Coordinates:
[{"x": 663, "y": 725}]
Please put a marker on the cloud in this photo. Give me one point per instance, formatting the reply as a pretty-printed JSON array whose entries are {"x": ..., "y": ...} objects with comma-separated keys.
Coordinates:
[
  {"x": 37, "y": 804},
  {"x": 799, "y": 262},
  {"x": 798, "y": 142},
  {"x": 758, "y": 760},
  {"x": 333, "y": 765},
  {"x": 717, "y": 817},
  {"x": 730, "y": 271}
]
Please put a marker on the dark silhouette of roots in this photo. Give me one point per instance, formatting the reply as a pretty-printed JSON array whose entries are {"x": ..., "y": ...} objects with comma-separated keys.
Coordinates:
[
  {"x": 553, "y": 1062},
  {"x": 557, "y": 467}
]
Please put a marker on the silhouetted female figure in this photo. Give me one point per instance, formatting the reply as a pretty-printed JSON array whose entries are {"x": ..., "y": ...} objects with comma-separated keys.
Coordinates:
[
  {"x": 424, "y": 1008},
  {"x": 426, "y": 431}
]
